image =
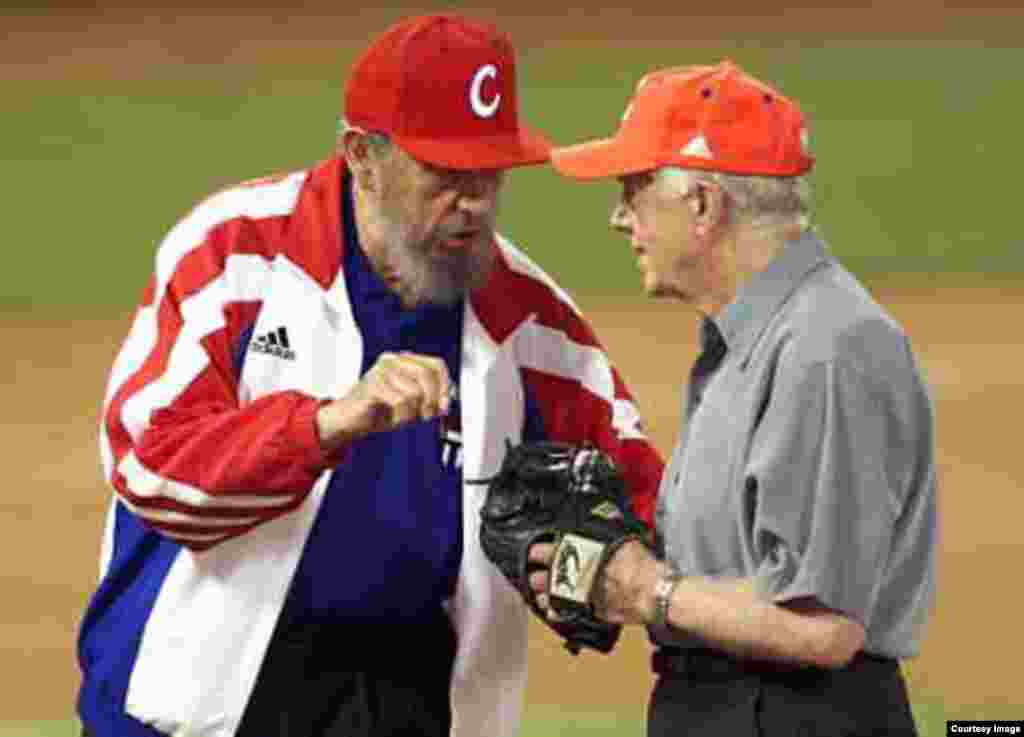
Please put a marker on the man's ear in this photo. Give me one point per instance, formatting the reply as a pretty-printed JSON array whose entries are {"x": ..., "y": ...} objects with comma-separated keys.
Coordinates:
[
  {"x": 710, "y": 206},
  {"x": 355, "y": 147}
]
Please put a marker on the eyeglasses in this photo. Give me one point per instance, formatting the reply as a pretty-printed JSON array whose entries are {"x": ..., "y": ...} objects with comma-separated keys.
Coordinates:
[{"x": 634, "y": 186}]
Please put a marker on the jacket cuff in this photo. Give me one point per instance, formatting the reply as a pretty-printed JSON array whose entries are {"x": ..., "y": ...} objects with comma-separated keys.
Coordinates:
[{"x": 304, "y": 434}]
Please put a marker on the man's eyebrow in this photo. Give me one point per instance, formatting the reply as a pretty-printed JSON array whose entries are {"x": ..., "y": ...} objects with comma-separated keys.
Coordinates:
[
  {"x": 443, "y": 172},
  {"x": 632, "y": 183}
]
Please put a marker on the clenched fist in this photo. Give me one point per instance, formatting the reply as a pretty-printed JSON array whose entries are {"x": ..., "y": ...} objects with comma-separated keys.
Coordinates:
[{"x": 399, "y": 388}]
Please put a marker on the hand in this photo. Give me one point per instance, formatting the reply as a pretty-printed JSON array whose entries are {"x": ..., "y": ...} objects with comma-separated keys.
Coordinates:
[
  {"x": 574, "y": 496},
  {"x": 625, "y": 591},
  {"x": 542, "y": 554},
  {"x": 400, "y": 388}
]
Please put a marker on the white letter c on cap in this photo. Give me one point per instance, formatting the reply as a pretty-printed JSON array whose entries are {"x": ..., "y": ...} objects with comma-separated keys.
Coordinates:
[{"x": 480, "y": 108}]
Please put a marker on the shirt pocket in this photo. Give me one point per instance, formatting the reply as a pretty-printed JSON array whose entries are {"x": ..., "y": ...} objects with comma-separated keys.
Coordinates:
[
  {"x": 709, "y": 486},
  {"x": 711, "y": 458}
]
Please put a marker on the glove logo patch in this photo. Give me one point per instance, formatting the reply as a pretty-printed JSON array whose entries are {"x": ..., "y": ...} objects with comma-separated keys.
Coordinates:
[
  {"x": 568, "y": 568},
  {"x": 606, "y": 510},
  {"x": 573, "y": 569}
]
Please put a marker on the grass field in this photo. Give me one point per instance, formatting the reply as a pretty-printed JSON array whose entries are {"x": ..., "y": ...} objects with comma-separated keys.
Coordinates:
[{"x": 916, "y": 147}]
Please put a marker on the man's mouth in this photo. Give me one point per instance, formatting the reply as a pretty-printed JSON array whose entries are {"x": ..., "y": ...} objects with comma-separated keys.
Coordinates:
[{"x": 460, "y": 238}]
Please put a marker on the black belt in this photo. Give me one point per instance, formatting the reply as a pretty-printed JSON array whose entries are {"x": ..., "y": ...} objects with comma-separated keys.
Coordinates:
[{"x": 705, "y": 663}]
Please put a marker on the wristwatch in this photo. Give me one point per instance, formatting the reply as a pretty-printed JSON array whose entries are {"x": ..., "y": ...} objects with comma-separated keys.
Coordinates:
[{"x": 663, "y": 589}]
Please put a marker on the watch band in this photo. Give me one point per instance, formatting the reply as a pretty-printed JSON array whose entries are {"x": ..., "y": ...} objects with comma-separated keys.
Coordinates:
[{"x": 663, "y": 597}]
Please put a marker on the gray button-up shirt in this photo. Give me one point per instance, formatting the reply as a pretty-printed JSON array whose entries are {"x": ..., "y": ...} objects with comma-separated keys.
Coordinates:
[{"x": 808, "y": 466}]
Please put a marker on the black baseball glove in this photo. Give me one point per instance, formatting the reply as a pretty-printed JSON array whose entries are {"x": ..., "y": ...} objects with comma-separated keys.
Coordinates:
[{"x": 575, "y": 498}]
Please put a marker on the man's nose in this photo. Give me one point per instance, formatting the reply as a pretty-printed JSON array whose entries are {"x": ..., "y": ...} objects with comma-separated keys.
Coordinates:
[
  {"x": 620, "y": 220},
  {"x": 478, "y": 191}
]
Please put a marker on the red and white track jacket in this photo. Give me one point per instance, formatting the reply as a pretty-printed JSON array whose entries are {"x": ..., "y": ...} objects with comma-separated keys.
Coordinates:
[{"x": 232, "y": 470}]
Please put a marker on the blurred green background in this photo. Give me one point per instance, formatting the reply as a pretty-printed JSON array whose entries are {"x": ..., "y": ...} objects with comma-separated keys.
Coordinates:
[
  {"x": 916, "y": 135},
  {"x": 917, "y": 148}
]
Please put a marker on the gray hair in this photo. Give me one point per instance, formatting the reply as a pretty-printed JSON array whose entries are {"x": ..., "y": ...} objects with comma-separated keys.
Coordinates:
[
  {"x": 378, "y": 143},
  {"x": 758, "y": 201}
]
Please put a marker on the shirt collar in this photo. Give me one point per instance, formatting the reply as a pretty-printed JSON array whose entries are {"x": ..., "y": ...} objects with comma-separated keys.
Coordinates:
[{"x": 743, "y": 320}]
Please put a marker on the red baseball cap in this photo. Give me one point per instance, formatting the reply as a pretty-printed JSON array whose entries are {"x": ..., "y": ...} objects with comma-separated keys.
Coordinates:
[
  {"x": 698, "y": 117},
  {"x": 443, "y": 87}
]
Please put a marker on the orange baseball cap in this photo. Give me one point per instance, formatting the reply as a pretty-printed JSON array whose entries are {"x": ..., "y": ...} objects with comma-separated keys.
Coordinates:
[
  {"x": 698, "y": 117},
  {"x": 443, "y": 87}
]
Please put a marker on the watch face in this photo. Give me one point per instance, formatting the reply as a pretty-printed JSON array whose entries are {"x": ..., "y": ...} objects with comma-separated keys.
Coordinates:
[{"x": 663, "y": 597}]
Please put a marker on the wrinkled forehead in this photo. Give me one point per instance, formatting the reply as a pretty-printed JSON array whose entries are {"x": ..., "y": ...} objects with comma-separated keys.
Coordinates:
[
  {"x": 402, "y": 166},
  {"x": 404, "y": 172},
  {"x": 424, "y": 168}
]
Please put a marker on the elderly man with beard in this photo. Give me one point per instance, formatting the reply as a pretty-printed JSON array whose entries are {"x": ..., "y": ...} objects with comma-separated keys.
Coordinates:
[
  {"x": 321, "y": 361},
  {"x": 796, "y": 520}
]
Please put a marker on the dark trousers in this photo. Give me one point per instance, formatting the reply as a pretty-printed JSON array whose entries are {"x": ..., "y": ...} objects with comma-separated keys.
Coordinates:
[
  {"x": 358, "y": 681},
  {"x": 354, "y": 681},
  {"x": 706, "y": 693}
]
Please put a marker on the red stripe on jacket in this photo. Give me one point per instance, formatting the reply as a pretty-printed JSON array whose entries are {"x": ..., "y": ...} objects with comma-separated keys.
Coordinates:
[
  {"x": 203, "y": 438},
  {"x": 206, "y": 441}
]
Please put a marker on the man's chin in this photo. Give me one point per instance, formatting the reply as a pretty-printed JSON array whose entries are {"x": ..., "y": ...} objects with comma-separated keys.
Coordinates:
[
  {"x": 435, "y": 296},
  {"x": 657, "y": 290},
  {"x": 448, "y": 279}
]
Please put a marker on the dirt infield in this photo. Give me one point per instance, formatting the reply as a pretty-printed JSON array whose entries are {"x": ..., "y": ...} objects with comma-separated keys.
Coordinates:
[
  {"x": 53, "y": 504},
  {"x": 88, "y": 40}
]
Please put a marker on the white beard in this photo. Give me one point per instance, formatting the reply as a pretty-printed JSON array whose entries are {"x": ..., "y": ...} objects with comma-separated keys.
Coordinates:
[{"x": 427, "y": 278}]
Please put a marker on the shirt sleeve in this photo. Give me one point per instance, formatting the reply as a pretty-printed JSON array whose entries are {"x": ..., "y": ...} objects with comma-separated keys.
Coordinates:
[
  {"x": 182, "y": 453},
  {"x": 826, "y": 474}
]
